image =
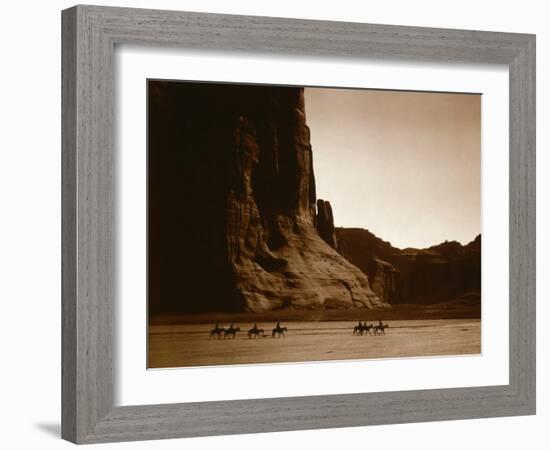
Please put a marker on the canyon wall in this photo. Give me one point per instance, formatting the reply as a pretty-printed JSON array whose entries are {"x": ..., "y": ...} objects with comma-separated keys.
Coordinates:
[
  {"x": 233, "y": 219},
  {"x": 443, "y": 272}
]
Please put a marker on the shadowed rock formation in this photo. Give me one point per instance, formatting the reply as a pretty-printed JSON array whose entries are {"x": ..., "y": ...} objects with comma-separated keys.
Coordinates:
[
  {"x": 385, "y": 280},
  {"x": 232, "y": 205},
  {"x": 325, "y": 223},
  {"x": 422, "y": 276}
]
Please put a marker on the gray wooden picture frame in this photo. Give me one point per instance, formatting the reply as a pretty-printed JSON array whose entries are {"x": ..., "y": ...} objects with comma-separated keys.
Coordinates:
[{"x": 90, "y": 34}]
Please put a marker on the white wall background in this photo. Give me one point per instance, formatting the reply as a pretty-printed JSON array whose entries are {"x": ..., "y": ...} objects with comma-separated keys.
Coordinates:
[{"x": 30, "y": 226}]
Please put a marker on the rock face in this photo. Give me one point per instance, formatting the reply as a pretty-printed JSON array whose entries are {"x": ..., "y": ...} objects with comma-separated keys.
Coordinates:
[
  {"x": 420, "y": 276},
  {"x": 442, "y": 272},
  {"x": 233, "y": 224},
  {"x": 385, "y": 280},
  {"x": 325, "y": 223}
]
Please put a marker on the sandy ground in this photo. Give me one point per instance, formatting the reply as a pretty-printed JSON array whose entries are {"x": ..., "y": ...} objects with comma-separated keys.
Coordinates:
[{"x": 190, "y": 345}]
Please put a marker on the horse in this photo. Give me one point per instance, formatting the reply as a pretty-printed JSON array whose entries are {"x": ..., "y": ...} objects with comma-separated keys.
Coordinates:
[
  {"x": 278, "y": 331},
  {"x": 256, "y": 332},
  {"x": 216, "y": 331},
  {"x": 358, "y": 329},
  {"x": 362, "y": 328},
  {"x": 231, "y": 331},
  {"x": 379, "y": 329},
  {"x": 367, "y": 328}
]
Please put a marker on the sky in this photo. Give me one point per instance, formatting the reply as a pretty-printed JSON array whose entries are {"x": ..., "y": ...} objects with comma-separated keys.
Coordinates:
[{"x": 404, "y": 165}]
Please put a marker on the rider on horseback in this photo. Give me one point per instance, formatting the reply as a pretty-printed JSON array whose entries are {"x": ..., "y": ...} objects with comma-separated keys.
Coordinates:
[
  {"x": 216, "y": 331},
  {"x": 278, "y": 330}
]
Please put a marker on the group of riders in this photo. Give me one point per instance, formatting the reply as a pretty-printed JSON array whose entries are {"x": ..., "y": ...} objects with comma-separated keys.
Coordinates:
[
  {"x": 362, "y": 328},
  {"x": 254, "y": 332}
]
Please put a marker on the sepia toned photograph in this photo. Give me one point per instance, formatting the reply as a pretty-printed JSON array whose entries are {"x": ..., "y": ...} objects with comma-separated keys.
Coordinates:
[{"x": 291, "y": 224}]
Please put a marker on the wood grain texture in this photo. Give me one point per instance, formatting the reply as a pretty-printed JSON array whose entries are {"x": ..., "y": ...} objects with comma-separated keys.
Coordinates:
[
  {"x": 522, "y": 224},
  {"x": 89, "y": 36},
  {"x": 68, "y": 226}
]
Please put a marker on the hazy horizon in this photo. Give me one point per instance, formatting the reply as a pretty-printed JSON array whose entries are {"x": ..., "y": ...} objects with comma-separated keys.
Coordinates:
[{"x": 404, "y": 165}]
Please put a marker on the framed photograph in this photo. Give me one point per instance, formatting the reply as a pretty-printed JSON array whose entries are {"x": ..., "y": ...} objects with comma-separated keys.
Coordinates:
[{"x": 278, "y": 224}]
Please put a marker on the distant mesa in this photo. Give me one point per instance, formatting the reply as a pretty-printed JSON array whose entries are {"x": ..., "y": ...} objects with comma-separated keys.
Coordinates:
[{"x": 443, "y": 272}]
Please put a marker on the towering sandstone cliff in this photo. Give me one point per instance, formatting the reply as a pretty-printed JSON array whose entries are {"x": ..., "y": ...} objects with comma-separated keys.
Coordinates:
[{"x": 233, "y": 223}]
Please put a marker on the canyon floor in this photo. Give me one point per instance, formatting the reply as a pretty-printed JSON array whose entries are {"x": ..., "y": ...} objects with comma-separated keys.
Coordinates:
[{"x": 188, "y": 344}]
